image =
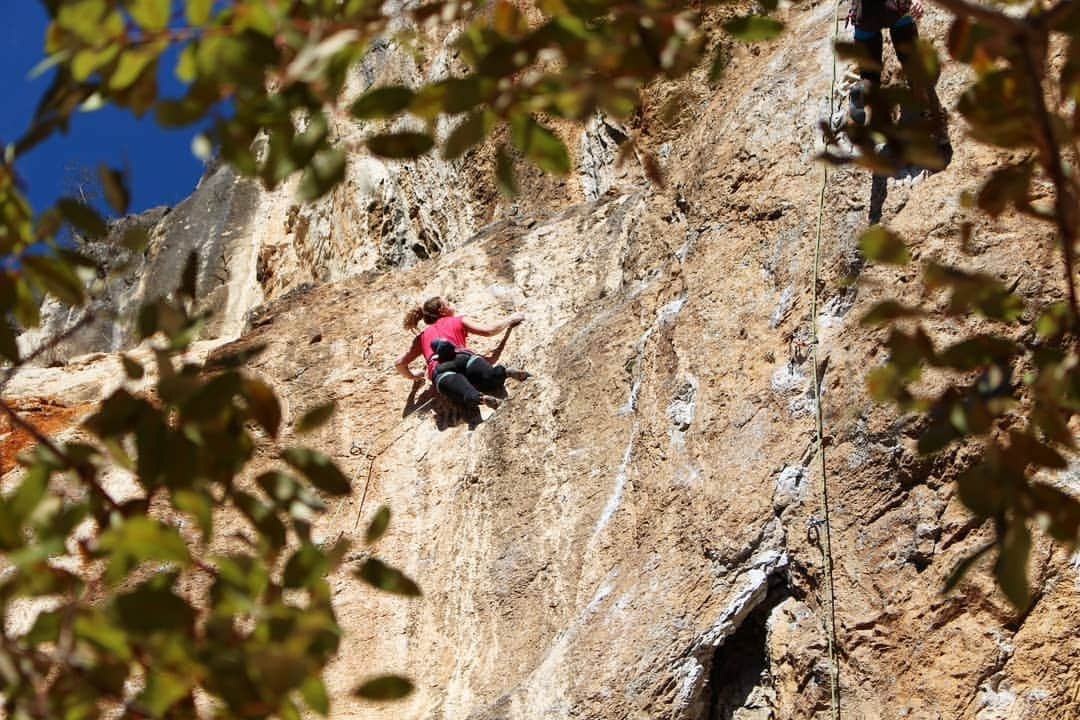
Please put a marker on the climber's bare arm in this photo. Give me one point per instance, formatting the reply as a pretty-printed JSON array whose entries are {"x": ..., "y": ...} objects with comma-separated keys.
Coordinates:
[
  {"x": 402, "y": 364},
  {"x": 477, "y": 328}
]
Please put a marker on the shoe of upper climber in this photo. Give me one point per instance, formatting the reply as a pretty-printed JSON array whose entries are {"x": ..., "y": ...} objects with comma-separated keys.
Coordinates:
[{"x": 857, "y": 104}]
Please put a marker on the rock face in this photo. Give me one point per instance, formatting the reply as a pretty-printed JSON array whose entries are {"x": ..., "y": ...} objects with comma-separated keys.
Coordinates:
[{"x": 635, "y": 533}]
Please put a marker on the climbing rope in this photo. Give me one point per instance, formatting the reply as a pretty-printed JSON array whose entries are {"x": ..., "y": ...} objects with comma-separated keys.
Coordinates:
[
  {"x": 356, "y": 449},
  {"x": 826, "y": 543}
]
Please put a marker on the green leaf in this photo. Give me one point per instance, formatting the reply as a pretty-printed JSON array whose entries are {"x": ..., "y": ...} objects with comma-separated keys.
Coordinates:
[
  {"x": 82, "y": 218},
  {"x": 136, "y": 540},
  {"x": 197, "y": 505},
  {"x": 132, "y": 368},
  {"x": 189, "y": 278},
  {"x": 263, "y": 518},
  {"x": 212, "y": 401},
  {"x": 30, "y": 493},
  {"x": 380, "y": 575},
  {"x": 1054, "y": 320},
  {"x": 153, "y": 607},
  {"x": 147, "y": 323},
  {"x": 978, "y": 351},
  {"x": 9, "y": 348},
  {"x": 87, "y": 60},
  {"x": 505, "y": 179},
  {"x": 116, "y": 415},
  {"x": 198, "y": 11},
  {"x": 888, "y": 310},
  {"x": 378, "y": 525},
  {"x": 539, "y": 144},
  {"x": 319, "y": 469},
  {"x": 937, "y": 434},
  {"x": 1009, "y": 185},
  {"x": 327, "y": 169},
  {"x": 163, "y": 690},
  {"x": 881, "y": 245},
  {"x": 385, "y": 687},
  {"x": 469, "y": 132},
  {"x": 400, "y": 145},
  {"x": 316, "y": 417},
  {"x": 263, "y": 405},
  {"x": 46, "y": 628},
  {"x": 56, "y": 277},
  {"x": 754, "y": 28},
  {"x": 94, "y": 628},
  {"x": 116, "y": 192},
  {"x": 1011, "y": 566},
  {"x": 381, "y": 102},
  {"x": 135, "y": 238},
  {"x": 27, "y": 309},
  {"x": 980, "y": 291},
  {"x": 1060, "y": 511},
  {"x": 151, "y": 15},
  {"x": 980, "y": 490},
  {"x": 132, "y": 64},
  {"x": 1031, "y": 451},
  {"x": 719, "y": 62},
  {"x": 82, "y": 17},
  {"x": 313, "y": 690},
  {"x": 306, "y": 566}
]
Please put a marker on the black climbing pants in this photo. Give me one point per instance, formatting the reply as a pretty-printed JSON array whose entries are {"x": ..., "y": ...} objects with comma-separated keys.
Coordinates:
[
  {"x": 903, "y": 35},
  {"x": 467, "y": 377}
]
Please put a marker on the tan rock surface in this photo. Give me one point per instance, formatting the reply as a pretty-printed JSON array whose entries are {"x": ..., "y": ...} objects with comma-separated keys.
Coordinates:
[{"x": 630, "y": 536}]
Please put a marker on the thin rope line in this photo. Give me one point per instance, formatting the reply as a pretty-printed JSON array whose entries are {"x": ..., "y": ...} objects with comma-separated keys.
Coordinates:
[{"x": 826, "y": 545}]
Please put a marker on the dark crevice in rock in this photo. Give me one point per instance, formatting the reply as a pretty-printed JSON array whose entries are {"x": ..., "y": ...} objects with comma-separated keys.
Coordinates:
[{"x": 740, "y": 683}]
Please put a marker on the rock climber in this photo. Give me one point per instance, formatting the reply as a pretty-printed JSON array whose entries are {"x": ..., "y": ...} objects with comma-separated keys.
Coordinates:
[
  {"x": 454, "y": 370},
  {"x": 870, "y": 18}
]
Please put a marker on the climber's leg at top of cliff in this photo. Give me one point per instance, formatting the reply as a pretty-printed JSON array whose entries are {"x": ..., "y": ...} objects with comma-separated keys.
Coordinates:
[
  {"x": 456, "y": 371},
  {"x": 871, "y": 18}
]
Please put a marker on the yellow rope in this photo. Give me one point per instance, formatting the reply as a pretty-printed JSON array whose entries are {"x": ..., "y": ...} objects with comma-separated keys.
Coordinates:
[{"x": 826, "y": 542}]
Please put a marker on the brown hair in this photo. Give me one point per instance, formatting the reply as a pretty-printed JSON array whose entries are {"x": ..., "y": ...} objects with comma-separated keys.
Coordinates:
[{"x": 429, "y": 312}]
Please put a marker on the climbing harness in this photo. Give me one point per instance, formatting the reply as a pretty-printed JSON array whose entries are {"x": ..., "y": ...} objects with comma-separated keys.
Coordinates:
[{"x": 823, "y": 525}]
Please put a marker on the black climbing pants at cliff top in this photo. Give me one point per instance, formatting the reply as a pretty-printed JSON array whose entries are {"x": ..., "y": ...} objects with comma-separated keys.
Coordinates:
[
  {"x": 904, "y": 34},
  {"x": 465, "y": 378}
]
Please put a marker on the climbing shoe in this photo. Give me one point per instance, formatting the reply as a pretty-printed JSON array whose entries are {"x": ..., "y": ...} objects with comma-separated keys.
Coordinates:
[
  {"x": 520, "y": 375},
  {"x": 857, "y": 104}
]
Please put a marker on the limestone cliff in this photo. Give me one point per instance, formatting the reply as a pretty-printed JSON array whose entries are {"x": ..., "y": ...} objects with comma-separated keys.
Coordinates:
[{"x": 633, "y": 534}]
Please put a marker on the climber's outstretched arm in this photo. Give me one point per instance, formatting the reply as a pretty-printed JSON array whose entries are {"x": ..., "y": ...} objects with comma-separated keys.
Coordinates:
[
  {"x": 477, "y": 328},
  {"x": 402, "y": 364}
]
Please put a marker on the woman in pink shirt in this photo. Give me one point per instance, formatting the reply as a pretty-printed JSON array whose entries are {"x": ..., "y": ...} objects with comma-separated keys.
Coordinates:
[{"x": 456, "y": 371}]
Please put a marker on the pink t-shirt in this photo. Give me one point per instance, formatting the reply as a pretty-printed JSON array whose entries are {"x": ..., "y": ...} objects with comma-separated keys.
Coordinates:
[{"x": 449, "y": 328}]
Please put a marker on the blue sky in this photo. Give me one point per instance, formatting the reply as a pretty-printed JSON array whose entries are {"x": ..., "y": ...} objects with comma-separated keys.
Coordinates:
[{"x": 163, "y": 169}]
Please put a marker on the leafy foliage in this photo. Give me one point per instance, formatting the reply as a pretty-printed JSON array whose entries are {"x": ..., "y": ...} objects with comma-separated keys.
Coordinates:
[
  {"x": 281, "y": 67},
  {"x": 155, "y": 611},
  {"x": 1010, "y": 391}
]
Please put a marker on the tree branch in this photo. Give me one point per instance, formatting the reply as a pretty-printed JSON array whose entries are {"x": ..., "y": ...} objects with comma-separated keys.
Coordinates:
[
  {"x": 85, "y": 474},
  {"x": 962, "y": 8},
  {"x": 1050, "y": 159},
  {"x": 49, "y": 344}
]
